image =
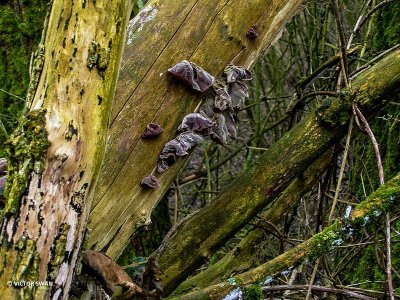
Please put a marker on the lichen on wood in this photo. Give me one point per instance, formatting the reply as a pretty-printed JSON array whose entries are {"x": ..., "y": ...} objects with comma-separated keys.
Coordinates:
[
  {"x": 55, "y": 154},
  {"x": 26, "y": 149}
]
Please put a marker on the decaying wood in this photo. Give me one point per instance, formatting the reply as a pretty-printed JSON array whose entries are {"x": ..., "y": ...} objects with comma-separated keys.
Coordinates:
[
  {"x": 209, "y": 33},
  {"x": 56, "y": 152}
]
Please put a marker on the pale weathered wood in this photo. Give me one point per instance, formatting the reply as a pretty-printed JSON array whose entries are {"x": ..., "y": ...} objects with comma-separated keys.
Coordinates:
[
  {"x": 208, "y": 32},
  {"x": 72, "y": 88}
]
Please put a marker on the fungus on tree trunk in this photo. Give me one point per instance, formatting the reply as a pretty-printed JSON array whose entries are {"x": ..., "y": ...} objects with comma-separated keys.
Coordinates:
[
  {"x": 192, "y": 75},
  {"x": 150, "y": 181},
  {"x": 217, "y": 120},
  {"x": 151, "y": 131}
]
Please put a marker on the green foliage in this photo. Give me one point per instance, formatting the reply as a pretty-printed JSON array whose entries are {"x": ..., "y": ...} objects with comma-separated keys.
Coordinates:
[
  {"x": 21, "y": 25},
  {"x": 253, "y": 292},
  {"x": 366, "y": 270},
  {"x": 139, "y": 4},
  {"x": 387, "y": 32}
]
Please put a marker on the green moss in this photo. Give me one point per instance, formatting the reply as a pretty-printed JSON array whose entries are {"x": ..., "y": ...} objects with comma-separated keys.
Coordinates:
[
  {"x": 99, "y": 57},
  {"x": 336, "y": 112},
  {"x": 387, "y": 27},
  {"x": 26, "y": 149},
  {"x": 26, "y": 266},
  {"x": 253, "y": 292},
  {"x": 386, "y": 127},
  {"x": 58, "y": 252},
  {"x": 325, "y": 241},
  {"x": 21, "y": 24},
  {"x": 366, "y": 270}
]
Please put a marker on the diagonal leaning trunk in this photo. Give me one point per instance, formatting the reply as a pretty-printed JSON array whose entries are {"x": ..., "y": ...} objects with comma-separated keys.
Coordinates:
[
  {"x": 196, "y": 239},
  {"x": 54, "y": 156},
  {"x": 212, "y": 34}
]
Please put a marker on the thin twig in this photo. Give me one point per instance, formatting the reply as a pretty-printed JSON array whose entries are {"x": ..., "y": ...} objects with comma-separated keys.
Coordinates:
[
  {"x": 357, "y": 26},
  {"x": 367, "y": 129},
  {"x": 314, "y": 273},
  {"x": 342, "y": 42},
  {"x": 369, "y": 63},
  {"x": 268, "y": 289},
  {"x": 388, "y": 268},
  {"x": 342, "y": 167},
  {"x": 368, "y": 14},
  {"x": 11, "y": 94}
]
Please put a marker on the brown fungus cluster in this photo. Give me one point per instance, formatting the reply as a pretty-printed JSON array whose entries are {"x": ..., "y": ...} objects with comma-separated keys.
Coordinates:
[
  {"x": 151, "y": 131},
  {"x": 217, "y": 118},
  {"x": 192, "y": 75},
  {"x": 150, "y": 181},
  {"x": 252, "y": 34}
]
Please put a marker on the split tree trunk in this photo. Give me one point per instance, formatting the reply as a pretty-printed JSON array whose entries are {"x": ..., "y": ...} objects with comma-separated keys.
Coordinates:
[
  {"x": 56, "y": 152},
  {"x": 212, "y": 34}
]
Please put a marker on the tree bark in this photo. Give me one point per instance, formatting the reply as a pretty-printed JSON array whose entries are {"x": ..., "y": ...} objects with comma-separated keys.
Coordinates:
[
  {"x": 242, "y": 257},
  {"x": 211, "y": 34},
  {"x": 196, "y": 239},
  {"x": 382, "y": 200},
  {"x": 54, "y": 156}
]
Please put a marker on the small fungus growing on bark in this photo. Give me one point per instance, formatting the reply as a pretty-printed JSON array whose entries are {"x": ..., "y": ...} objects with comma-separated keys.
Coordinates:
[
  {"x": 150, "y": 182},
  {"x": 151, "y": 131},
  {"x": 179, "y": 146},
  {"x": 236, "y": 73},
  {"x": 219, "y": 133},
  {"x": 197, "y": 123},
  {"x": 252, "y": 34},
  {"x": 192, "y": 75},
  {"x": 238, "y": 93},
  {"x": 222, "y": 98}
]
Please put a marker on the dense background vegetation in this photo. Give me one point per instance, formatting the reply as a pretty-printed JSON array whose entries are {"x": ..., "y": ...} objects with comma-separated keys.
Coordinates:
[{"x": 21, "y": 25}]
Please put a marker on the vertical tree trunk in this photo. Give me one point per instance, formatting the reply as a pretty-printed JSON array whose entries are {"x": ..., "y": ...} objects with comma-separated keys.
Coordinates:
[{"x": 56, "y": 152}]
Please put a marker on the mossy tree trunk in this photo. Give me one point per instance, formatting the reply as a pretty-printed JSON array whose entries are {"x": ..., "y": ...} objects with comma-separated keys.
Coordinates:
[
  {"x": 54, "y": 155},
  {"x": 244, "y": 255},
  {"x": 198, "y": 238},
  {"x": 212, "y": 34},
  {"x": 364, "y": 216}
]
